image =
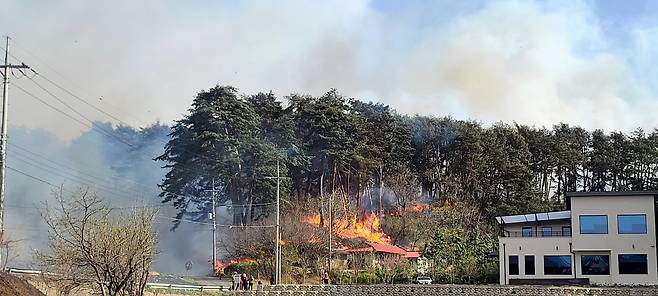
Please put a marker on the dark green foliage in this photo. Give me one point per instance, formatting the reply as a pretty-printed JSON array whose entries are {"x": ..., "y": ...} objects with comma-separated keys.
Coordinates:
[
  {"x": 330, "y": 143},
  {"x": 220, "y": 139},
  {"x": 461, "y": 255}
]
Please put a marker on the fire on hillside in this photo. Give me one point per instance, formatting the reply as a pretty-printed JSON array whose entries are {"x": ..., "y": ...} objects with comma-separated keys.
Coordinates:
[
  {"x": 221, "y": 265},
  {"x": 367, "y": 228}
]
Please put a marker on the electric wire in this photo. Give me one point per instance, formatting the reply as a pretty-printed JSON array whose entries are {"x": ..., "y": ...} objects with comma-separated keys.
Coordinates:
[
  {"x": 51, "y": 184},
  {"x": 54, "y": 70},
  {"x": 95, "y": 127},
  {"x": 106, "y": 132},
  {"x": 94, "y": 175},
  {"x": 94, "y": 184},
  {"x": 75, "y": 178},
  {"x": 92, "y": 127},
  {"x": 145, "y": 206}
]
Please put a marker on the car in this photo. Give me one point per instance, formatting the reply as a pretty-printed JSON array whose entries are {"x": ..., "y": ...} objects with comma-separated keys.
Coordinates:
[{"x": 424, "y": 280}]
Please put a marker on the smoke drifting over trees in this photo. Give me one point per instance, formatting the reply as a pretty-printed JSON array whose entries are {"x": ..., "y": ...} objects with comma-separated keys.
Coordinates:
[
  {"x": 324, "y": 144},
  {"x": 332, "y": 143},
  {"x": 125, "y": 176}
]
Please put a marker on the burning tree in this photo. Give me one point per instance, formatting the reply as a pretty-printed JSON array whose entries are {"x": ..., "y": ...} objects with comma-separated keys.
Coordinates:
[
  {"x": 91, "y": 246},
  {"x": 251, "y": 248}
]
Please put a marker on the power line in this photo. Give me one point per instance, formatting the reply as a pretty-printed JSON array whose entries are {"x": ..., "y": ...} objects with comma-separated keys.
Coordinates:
[
  {"x": 108, "y": 133},
  {"x": 218, "y": 225},
  {"x": 132, "y": 181},
  {"x": 116, "y": 191},
  {"x": 91, "y": 122},
  {"x": 80, "y": 179},
  {"x": 31, "y": 177},
  {"x": 94, "y": 175},
  {"x": 149, "y": 206},
  {"x": 92, "y": 126},
  {"x": 51, "y": 106},
  {"x": 102, "y": 130},
  {"x": 72, "y": 192},
  {"x": 86, "y": 102}
]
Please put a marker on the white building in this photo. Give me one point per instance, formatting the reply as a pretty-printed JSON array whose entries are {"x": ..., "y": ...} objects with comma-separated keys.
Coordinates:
[{"x": 604, "y": 238}]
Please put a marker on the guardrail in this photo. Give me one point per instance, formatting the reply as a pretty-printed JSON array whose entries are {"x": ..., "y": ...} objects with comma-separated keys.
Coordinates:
[
  {"x": 186, "y": 287},
  {"x": 199, "y": 288}
]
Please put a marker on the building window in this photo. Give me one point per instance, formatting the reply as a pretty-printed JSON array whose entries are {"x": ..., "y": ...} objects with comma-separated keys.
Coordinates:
[
  {"x": 526, "y": 231},
  {"x": 566, "y": 230},
  {"x": 547, "y": 231},
  {"x": 632, "y": 224},
  {"x": 514, "y": 265},
  {"x": 557, "y": 265},
  {"x": 529, "y": 265},
  {"x": 595, "y": 264},
  {"x": 593, "y": 224},
  {"x": 633, "y": 264}
]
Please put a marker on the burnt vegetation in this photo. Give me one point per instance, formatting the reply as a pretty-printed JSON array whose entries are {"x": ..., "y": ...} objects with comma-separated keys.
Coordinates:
[{"x": 416, "y": 173}]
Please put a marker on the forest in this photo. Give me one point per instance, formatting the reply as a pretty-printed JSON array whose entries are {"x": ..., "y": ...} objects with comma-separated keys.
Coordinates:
[{"x": 362, "y": 158}]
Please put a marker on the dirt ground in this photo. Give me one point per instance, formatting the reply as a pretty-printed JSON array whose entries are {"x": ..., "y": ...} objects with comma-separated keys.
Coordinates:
[{"x": 13, "y": 286}]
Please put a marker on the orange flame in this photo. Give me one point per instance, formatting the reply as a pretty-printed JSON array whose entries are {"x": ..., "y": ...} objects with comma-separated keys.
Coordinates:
[
  {"x": 221, "y": 265},
  {"x": 368, "y": 228},
  {"x": 418, "y": 208}
]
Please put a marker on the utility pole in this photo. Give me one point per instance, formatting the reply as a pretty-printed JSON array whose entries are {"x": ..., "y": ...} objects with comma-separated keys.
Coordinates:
[
  {"x": 277, "y": 247},
  {"x": 278, "y": 223},
  {"x": 3, "y": 136},
  {"x": 214, "y": 227},
  {"x": 331, "y": 229}
]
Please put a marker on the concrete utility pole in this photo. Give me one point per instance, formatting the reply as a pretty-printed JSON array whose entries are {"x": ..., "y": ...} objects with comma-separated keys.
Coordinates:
[
  {"x": 277, "y": 248},
  {"x": 3, "y": 136},
  {"x": 214, "y": 227},
  {"x": 331, "y": 229},
  {"x": 278, "y": 223}
]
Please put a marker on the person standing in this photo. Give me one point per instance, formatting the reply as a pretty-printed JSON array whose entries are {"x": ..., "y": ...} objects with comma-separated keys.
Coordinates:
[
  {"x": 325, "y": 278},
  {"x": 236, "y": 281},
  {"x": 250, "y": 282},
  {"x": 243, "y": 281}
]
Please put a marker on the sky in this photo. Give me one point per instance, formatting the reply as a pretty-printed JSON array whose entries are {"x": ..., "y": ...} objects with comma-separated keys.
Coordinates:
[{"x": 587, "y": 63}]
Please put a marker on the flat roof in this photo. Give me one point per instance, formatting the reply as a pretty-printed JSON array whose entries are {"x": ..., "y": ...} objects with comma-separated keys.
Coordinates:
[
  {"x": 611, "y": 193},
  {"x": 534, "y": 217}
]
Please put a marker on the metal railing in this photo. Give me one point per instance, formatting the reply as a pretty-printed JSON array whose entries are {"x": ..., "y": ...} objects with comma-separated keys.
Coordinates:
[
  {"x": 200, "y": 288},
  {"x": 535, "y": 233},
  {"x": 186, "y": 287}
]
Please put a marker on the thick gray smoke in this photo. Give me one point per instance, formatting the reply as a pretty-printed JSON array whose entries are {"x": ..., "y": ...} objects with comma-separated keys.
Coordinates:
[{"x": 124, "y": 174}]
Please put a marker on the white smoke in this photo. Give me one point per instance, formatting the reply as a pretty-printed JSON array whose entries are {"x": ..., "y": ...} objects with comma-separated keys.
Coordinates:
[{"x": 524, "y": 61}]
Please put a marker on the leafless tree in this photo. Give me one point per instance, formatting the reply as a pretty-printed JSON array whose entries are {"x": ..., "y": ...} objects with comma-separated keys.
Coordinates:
[
  {"x": 6, "y": 247},
  {"x": 404, "y": 185},
  {"x": 92, "y": 246}
]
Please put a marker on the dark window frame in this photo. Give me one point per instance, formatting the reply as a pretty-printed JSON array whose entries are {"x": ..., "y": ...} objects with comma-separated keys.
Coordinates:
[
  {"x": 523, "y": 229},
  {"x": 564, "y": 233},
  {"x": 585, "y": 271},
  {"x": 525, "y": 262},
  {"x": 516, "y": 270},
  {"x": 550, "y": 231},
  {"x": 580, "y": 224},
  {"x": 620, "y": 264},
  {"x": 570, "y": 261},
  {"x": 631, "y": 215}
]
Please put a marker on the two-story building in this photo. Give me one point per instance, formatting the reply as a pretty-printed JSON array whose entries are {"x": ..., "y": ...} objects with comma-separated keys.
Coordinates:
[{"x": 605, "y": 238}]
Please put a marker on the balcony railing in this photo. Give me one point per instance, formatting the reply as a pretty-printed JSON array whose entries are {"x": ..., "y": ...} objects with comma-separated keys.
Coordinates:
[{"x": 535, "y": 233}]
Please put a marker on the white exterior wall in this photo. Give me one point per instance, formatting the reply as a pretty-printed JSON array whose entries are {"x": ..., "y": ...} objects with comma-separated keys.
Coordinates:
[
  {"x": 578, "y": 244},
  {"x": 537, "y": 246},
  {"x": 614, "y": 243}
]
